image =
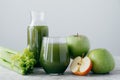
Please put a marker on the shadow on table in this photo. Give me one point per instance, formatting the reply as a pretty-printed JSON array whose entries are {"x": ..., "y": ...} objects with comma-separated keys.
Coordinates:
[
  {"x": 41, "y": 72},
  {"x": 114, "y": 72}
]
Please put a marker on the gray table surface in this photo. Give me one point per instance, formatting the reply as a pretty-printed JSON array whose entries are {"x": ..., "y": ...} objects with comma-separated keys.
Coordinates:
[{"x": 39, "y": 74}]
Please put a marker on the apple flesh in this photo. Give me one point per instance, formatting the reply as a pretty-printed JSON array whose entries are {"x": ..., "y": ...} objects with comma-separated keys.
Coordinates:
[
  {"x": 102, "y": 60},
  {"x": 81, "y": 66},
  {"x": 78, "y": 45}
]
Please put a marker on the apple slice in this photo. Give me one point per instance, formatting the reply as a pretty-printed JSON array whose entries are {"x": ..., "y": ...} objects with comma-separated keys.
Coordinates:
[{"x": 81, "y": 66}]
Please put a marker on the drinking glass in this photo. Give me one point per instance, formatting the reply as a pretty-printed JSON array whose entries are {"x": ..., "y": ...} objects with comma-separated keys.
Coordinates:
[{"x": 54, "y": 56}]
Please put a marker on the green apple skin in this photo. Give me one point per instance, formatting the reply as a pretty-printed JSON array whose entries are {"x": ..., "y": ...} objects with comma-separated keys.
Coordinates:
[
  {"x": 78, "y": 45},
  {"x": 102, "y": 61}
]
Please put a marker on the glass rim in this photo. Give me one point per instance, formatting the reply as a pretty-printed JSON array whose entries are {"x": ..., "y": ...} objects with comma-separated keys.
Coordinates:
[{"x": 50, "y": 37}]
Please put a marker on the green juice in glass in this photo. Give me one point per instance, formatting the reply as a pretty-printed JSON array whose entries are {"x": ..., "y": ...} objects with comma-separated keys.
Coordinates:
[
  {"x": 54, "y": 57},
  {"x": 35, "y": 35}
]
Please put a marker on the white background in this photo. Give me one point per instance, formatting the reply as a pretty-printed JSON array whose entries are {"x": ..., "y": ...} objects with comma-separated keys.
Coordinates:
[{"x": 99, "y": 20}]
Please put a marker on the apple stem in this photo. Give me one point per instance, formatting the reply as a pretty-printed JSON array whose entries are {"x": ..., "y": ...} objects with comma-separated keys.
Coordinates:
[
  {"x": 83, "y": 55},
  {"x": 77, "y": 34}
]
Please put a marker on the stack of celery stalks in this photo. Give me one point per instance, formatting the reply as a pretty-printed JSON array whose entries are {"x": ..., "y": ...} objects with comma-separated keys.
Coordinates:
[{"x": 20, "y": 62}]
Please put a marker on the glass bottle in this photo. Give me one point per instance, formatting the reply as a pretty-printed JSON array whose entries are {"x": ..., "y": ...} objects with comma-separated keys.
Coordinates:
[{"x": 35, "y": 33}]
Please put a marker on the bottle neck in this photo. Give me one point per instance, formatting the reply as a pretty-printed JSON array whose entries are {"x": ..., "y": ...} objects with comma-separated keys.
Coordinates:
[{"x": 37, "y": 18}]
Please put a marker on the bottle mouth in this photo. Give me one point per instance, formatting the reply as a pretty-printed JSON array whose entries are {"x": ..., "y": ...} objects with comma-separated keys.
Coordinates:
[
  {"x": 38, "y": 15},
  {"x": 37, "y": 18}
]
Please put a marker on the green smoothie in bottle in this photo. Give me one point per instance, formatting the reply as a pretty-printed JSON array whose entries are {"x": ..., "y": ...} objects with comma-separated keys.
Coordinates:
[{"x": 35, "y": 33}]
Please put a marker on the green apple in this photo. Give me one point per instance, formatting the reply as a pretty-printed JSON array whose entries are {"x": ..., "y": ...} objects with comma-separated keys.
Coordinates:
[
  {"x": 78, "y": 45},
  {"x": 102, "y": 60}
]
